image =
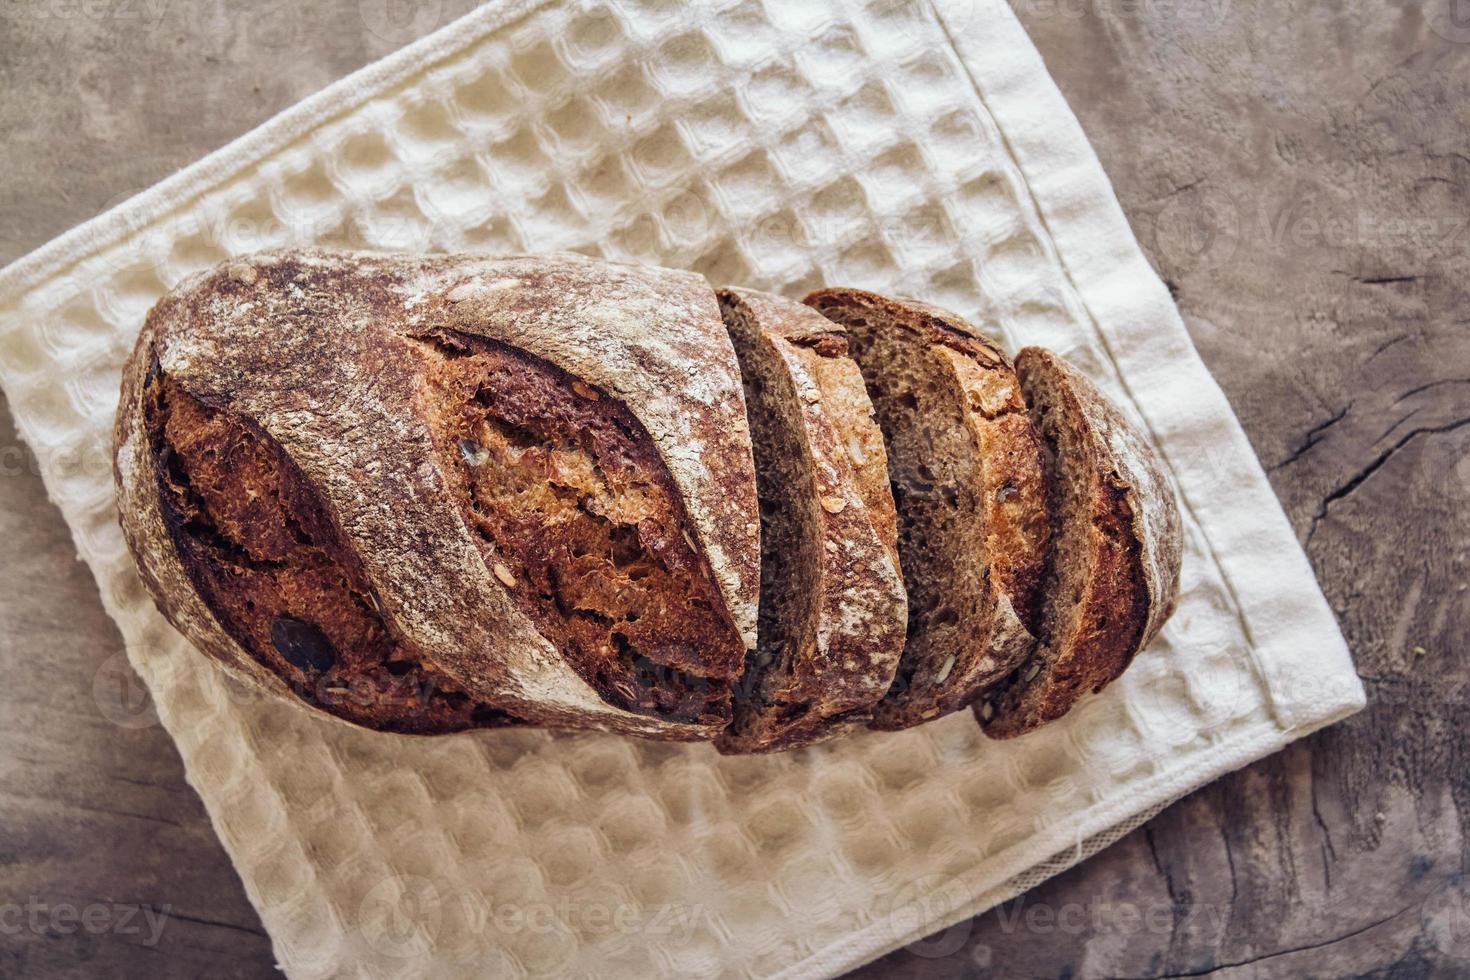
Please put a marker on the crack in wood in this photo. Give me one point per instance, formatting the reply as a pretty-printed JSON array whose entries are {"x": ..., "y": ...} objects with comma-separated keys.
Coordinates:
[
  {"x": 1384, "y": 280},
  {"x": 1188, "y": 185},
  {"x": 214, "y": 923},
  {"x": 117, "y": 812},
  {"x": 1433, "y": 384},
  {"x": 1377, "y": 464},
  {"x": 1396, "y": 339},
  {"x": 1178, "y": 913},
  {"x": 1394, "y": 428},
  {"x": 1234, "y": 884},
  {"x": 1314, "y": 435},
  {"x": 1329, "y": 850},
  {"x": 1277, "y": 954}
]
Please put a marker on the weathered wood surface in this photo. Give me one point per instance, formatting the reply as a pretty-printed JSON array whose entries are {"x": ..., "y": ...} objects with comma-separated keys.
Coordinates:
[{"x": 1296, "y": 171}]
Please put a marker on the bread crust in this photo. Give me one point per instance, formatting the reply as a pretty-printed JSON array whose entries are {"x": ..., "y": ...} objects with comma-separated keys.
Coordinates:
[
  {"x": 1011, "y": 491},
  {"x": 272, "y": 567},
  {"x": 1134, "y": 555},
  {"x": 845, "y": 657},
  {"x": 654, "y": 338},
  {"x": 322, "y": 366},
  {"x": 313, "y": 348}
]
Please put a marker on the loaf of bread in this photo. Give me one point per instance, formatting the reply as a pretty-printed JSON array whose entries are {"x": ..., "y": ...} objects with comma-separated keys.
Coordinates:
[
  {"x": 1114, "y": 573},
  {"x": 425, "y": 494}
]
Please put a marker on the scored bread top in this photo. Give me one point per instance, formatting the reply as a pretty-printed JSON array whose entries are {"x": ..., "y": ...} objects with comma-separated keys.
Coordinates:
[
  {"x": 1115, "y": 581},
  {"x": 990, "y": 592},
  {"x": 828, "y": 655},
  {"x": 312, "y": 349},
  {"x": 272, "y": 566},
  {"x": 653, "y": 337}
]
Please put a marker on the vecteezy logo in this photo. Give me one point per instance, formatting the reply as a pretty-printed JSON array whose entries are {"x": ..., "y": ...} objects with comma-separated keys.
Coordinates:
[
  {"x": 916, "y": 21},
  {"x": 120, "y": 694},
  {"x": 400, "y": 21},
  {"x": 138, "y": 239},
  {"x": 918, "y": 906},
  {"x": 1455, "y": 454},
  {"x": 401, "y": 915},
  {"x": 1443, "y": 453},
  {"x": 1450, "y": 19},
  {"x": 1445, "y": 918},
  {"x": 1173, "y": 707},
  {"x": 1197, "y": 225}
]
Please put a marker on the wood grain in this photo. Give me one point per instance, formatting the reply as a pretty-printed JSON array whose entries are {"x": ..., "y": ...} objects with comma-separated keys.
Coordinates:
[{"x": 1297, "y": 173}]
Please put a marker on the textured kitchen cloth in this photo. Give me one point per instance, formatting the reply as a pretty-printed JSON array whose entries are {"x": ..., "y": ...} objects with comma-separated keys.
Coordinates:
[{"x": 890, "y": 145}]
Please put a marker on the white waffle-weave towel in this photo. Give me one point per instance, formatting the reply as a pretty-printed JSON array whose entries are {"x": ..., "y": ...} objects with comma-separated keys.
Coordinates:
[{"x": 891, "y": 145}]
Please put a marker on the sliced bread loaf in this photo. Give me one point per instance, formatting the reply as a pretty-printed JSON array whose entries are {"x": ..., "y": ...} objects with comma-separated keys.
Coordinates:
[
  {"x": 965, "y": 467},
  {"x": 1117, "y": 541},
  {"x": 832, "y": 607}
]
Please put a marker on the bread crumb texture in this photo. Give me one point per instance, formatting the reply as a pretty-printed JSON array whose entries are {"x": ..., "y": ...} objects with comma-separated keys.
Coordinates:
[
  {"x": 272, "y": 568},
  {"x": 579, "y": 519}
]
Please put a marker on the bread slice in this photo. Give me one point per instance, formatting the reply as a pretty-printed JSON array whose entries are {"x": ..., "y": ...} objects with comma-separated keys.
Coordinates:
[
  {"x": 1117, "y": 541},
  {"x": 965, "y": 466},
  {"x": 832, "y": 607}
]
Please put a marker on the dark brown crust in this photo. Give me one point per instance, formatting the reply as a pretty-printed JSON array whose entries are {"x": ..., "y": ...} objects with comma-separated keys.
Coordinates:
[
  {"x": 653, "y": 338},
  {"x": 263, "y": 554},
  {"x": 1012, "y": 492},
  {"x": 313, "y": 350},
  {"x": 581, "y": 518},
  {"x": 1133, "y": 558},
  {"x": 820, "y": 676}
]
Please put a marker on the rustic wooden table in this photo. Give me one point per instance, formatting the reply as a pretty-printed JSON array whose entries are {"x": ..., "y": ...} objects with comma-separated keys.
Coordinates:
[{"x": 1299, "y": 173}]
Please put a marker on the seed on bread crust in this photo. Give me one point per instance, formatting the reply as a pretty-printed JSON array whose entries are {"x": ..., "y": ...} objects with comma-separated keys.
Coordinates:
[
  {"x": 832, "y": 611},
  {"x": 965, "y": 466},
  {"x": 1118, "y": 540}
]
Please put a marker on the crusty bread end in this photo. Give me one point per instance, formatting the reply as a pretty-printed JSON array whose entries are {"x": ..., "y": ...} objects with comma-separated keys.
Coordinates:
[{"x": 1114, "y": 572}]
